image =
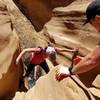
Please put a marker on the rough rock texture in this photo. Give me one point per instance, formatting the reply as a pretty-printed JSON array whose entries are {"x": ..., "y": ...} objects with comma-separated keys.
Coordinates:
[
  {"x": 47, "y": 88},
  {"x": 64, "y": 30},
  {"x": 10, "y": 71},
  {"x": 67, "y": 30},
  {"x": 39, "y": 11},
  {"x": 9, "y": 50}
]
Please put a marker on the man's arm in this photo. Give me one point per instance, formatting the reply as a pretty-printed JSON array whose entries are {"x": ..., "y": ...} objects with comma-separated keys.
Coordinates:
[
  {"x": 23, "y": 52},
  {"x": 89, "y": 62},
  {"x": 65, "y": 50}
]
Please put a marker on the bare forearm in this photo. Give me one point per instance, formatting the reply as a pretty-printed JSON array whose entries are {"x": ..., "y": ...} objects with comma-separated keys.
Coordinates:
[
  {"x": 89, "y": 62},
  {"x": 65, "y": 50},
  {"x": 23, "y": 52},
  {"x": 68, "y": 50},
  {"x": 19, "y": 57},
  {"x": 83, "y": 67}
]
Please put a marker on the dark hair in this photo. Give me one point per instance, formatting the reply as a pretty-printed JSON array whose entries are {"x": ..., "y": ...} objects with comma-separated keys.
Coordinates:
[
  {"x": 50, "y": 44},
  {"x": 40, "y": 50},
  {"x": 92, "y": 10}
]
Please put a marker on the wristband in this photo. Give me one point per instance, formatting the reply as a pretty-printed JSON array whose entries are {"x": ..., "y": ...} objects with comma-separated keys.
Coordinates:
[{"x": 70, "y": 70}]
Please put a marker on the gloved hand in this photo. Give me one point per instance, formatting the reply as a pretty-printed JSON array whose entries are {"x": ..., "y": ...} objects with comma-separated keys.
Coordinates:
[
  {"x": 77, "y": 59},
  {"x": 62, "y": 73}
]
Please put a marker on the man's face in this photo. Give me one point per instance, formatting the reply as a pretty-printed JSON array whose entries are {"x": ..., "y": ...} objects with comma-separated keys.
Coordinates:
[{"x": 95, "y": 22}]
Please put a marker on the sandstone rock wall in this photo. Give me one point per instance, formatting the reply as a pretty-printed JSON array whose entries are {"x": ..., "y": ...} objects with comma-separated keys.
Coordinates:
[
  {"x": 47, "y": 88},
  {"x": 65, "y": 30},
  {"x": 9, "y": 50}
]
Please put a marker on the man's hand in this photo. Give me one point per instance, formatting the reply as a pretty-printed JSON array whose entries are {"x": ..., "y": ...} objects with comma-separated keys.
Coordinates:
[
  {"x": 62, "y": 73},
  {"x": 77, "y": 59},
  {"x": 75, "y": 50}
]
